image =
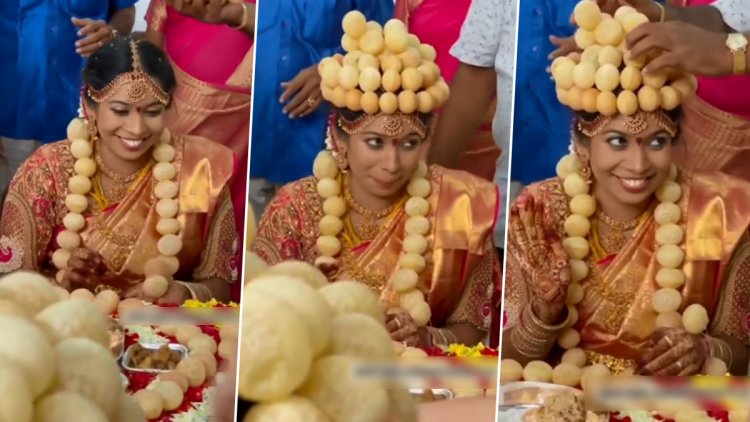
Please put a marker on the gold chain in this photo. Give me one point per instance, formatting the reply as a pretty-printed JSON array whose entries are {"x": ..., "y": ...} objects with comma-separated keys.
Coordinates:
[
  {"x": 111, "y": 174},
  {"x": 369, "y": 227},
  {"x": 616, "y": 237}
]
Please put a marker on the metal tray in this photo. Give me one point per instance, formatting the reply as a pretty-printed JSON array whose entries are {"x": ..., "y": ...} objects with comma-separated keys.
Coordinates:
[
  {"x": 126, "y": 359},
  {"x": 439, "y": 393}
]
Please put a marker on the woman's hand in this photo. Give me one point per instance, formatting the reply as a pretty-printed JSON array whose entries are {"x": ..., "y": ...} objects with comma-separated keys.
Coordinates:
[
  {"x": 95, "y": 34},
  {"x": 302, "y": 93},
  {"x": 674, "y": 351},
  {"x": 547, "y": 259},
  {"x": 84, "y": 269},
  {"x": 401, "y": 327}
]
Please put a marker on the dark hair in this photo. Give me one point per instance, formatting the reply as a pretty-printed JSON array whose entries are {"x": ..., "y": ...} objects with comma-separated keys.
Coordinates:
[
  {"x": 115, "y": 58},
  {"x": 675, "y": 115},
  {"x": 350, "y": 115}
]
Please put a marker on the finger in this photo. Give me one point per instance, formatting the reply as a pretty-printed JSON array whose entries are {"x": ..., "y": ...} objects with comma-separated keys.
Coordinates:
[
  {"x": 553, "y": 240},
  {"x": 298, "y": 102},
  {"x": 674, "y": 368},
  {"x": 661, "y": 344},
  {"x": 101, "y": 34},
  {"x": 642, "y": 44},
  {"x": 663, "y": 360},
  {"x": 690, "y": 369},
  {"x": 81, "y": 22},
  {"x": 392, "y": 326},
  {"x": 311, "y": 109},
  {"x": 290, "y": 88},
  {"x": 558, "y": 42},
  {"x": 527, "y": 217},
  {"x": 78, "y": 265},
  {"x": 665, "y": 60},
  {"x": 539, "y": 220},
  {"x": 516, "y": 226}
]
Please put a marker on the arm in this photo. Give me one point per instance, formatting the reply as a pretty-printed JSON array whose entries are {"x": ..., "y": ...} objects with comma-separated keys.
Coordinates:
[
  {"x": 472, "y": 90},
  {"x": 474, "y": 84},
  {"x": 729, "y": 323},
  {"x": 156, "y": 17},
  {"x": 28, "y": 217},
  {"x": 122, "y": 20},
  {"x": 468, "y": 324},
  {"x": 218, "y": 266}
]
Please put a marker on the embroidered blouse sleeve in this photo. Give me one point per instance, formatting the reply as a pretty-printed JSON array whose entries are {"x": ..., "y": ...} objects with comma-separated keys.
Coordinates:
[
  {"x": 29, "y": 216},
  {"x": 733, "y": 313},
  {"x": 279, "y": 236},
  {"x": 220, "y": 258},
  {"x": 475, "y": 306}
]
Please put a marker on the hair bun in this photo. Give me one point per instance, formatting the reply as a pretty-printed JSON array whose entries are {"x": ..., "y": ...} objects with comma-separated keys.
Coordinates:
[{"x": 386, "y": 69}]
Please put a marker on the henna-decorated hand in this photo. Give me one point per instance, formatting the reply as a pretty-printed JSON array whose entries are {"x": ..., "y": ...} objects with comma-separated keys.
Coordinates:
[
  {"x": 674, "y": 351},
  {"x": 547, "y": 261},
  {"x": 84, "y": 268},
  {"x": 401, "y": 327}
]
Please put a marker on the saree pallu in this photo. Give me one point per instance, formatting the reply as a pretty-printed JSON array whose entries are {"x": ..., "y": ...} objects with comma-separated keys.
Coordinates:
[
  {"x": 713, "y": 140},
  {"x": 438, "y": 23},
  {"x": 462, "y": 270},
  {"x": 616, "y": 318},
  {"x": 125, "y": 233}
]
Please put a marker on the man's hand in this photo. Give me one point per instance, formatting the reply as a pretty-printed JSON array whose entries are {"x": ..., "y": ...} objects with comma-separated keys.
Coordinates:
[
  {"x": 564, "y": 46},
  {"x": 683, "y": 46},
  {"x": 94, "y": 35},
  {"x": 302, "y": 94}
]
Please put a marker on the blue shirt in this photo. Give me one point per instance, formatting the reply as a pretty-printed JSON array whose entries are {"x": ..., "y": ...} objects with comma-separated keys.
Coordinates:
[
  {"x": 40, "y": 71},
  {"x": 541, "y": 125},
  {"x": 293, "y": 35}
]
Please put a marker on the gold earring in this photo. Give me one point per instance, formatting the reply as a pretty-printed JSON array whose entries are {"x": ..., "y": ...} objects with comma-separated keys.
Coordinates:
[
  {"x": 341, "y": 162},
  {"x": 585, "y": 169}
]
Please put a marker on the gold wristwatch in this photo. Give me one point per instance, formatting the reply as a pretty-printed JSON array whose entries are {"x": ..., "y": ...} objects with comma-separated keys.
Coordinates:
[{"x": 737, "y": 44}]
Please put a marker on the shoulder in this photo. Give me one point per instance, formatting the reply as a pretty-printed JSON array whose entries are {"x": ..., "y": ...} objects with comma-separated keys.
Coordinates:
[{"x": 303, "y": 192}]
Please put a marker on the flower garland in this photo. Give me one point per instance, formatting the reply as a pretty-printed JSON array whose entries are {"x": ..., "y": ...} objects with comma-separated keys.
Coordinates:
[
  {"x": 158, "y": 271},
  {"x": 670, "y": 278},
  {"x": 405, "y": 279}
]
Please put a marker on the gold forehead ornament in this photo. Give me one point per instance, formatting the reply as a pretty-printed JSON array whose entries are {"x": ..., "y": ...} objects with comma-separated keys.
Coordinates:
[
  {"x": 634, "y": 124},
  {"x": 137, "y": 82},
  {"x": 393, "y": 124}
]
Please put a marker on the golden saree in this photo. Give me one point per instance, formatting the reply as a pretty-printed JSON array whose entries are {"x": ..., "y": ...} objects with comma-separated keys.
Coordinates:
[
  {"x": 616, "y": 318},
  {"x": 462, "y": 270},
  {"x": 124, "y": 233}
]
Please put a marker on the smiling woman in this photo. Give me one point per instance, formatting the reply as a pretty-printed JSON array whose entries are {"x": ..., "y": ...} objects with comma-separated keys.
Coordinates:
[
  {"x": 376, "y": 213},
  {"x": 624, "y": 260},
  {"x": 123, "y": 204}
]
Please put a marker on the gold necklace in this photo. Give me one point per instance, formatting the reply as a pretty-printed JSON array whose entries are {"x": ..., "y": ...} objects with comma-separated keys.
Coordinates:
[
  {"x": 369, "y": 227},
  {"x": 616, "y": 237},
  {"x": 112, "y": 175}
]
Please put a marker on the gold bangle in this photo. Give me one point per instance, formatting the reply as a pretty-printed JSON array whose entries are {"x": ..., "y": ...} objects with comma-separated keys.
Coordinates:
[
  {"x": 245, "y": 15},
  {"x": 662, "y": 12}
]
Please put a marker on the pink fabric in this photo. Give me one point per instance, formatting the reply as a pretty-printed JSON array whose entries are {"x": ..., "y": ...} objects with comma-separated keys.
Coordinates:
[
  {"x": 731, "y": 93},
  {"x": 438, "y": 23},
  {"x": 207, "y": 52}
]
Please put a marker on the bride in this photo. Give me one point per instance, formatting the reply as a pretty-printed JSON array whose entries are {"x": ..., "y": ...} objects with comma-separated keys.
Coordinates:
[
  {"x": 624, "y": 260},
  {"x": 123, "y": 204},
  {"x": 374, "y": 212}
]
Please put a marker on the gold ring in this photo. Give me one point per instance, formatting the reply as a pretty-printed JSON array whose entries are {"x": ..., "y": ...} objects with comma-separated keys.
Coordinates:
[
  {"x": 398, "y": 323},
  {"x": 310, "y": 101},
  {"x": 101, "y": 44},
  {"x": 669, "y": 342},
  {"x": 679, "y": 365}
]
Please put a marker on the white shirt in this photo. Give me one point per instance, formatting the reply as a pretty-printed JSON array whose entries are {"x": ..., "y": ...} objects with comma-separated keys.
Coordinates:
[
  {"x": 736, "y": 13},
  {"x": 488, "y": 39}
]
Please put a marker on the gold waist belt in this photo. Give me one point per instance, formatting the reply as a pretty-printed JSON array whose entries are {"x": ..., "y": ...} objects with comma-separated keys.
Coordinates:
[{"x": 616, "y": 366}]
